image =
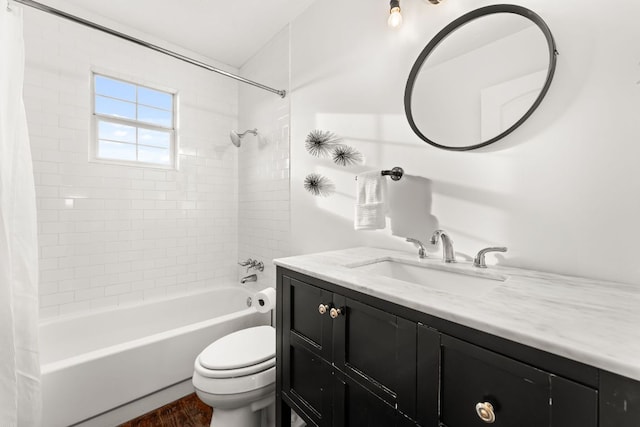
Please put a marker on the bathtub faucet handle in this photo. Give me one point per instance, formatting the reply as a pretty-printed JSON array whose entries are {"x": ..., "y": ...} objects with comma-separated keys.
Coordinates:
[
  {"x": 258, "y": 265},
  {"x": 248, "y": 263},
  {"x": 252, "y": 263}
]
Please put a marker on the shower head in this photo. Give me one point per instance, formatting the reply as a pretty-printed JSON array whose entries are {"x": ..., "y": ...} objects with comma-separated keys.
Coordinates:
[{"x": 237, "y": 137}]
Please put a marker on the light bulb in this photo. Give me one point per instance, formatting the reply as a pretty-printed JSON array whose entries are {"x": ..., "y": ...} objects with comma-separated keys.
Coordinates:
[{"x": 395, "y": 18}]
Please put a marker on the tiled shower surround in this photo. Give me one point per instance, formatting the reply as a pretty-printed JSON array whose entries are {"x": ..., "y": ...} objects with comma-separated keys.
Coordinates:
[
  {"x": 112, "y": 234},
  {"x": 263, "y": 181}
]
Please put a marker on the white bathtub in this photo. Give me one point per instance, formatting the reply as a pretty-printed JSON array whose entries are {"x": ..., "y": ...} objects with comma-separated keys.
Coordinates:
[{"x": 99, "y": 361}]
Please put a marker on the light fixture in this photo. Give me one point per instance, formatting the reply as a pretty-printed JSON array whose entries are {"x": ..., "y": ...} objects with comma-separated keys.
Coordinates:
[{"x": 395, "y": 17}]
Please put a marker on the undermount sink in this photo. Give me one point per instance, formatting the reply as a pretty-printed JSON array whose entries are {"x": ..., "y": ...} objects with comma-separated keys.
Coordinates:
[{"x": 450, "y": 278}]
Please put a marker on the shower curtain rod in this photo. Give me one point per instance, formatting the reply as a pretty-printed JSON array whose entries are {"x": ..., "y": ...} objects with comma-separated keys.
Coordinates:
[{"x": 176, "y": 55}]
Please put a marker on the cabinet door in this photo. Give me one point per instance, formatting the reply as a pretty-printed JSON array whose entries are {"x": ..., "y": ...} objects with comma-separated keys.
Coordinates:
[
  {"x": 378, "y": 348},
  {"x": 619, "y": 401},
  {"x": 303, "y": 324},
  {"x": 306, "y": 346},
  {"x": 428, "y": 377},
  {"x": 308, "y": 385},
  {"x": 356, "y": 406},
  {"x": 515, "y": 393}
]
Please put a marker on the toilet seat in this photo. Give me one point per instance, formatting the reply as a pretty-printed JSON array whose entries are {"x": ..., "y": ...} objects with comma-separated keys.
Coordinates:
[
  {"x": 233, "y": 373},
  {"x": 240, "y": 349}
]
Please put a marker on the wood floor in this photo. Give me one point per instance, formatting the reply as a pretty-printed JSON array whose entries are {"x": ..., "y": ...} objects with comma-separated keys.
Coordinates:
[{"x": 186, "y": 412}]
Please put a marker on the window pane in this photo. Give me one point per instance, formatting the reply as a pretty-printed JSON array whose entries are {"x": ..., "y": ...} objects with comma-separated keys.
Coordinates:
[
  {"x": 114, "y": 108},
  {"x": 145, "y": 133},
  {"x": 116, "y": 150},
  {"x": 155, "y": 116},
  {"x": 115, "y": 88},
  {"x": 153, "y": 98},
  {"x": 160, "y": 156},
  {"x": 116, "y": 132},
  {"x": 154, "y": 137}
]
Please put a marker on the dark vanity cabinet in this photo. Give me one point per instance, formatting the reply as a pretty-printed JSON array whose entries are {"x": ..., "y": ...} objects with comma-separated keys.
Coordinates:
[
  {"x": 349, "y": 359},
  {"x": 343, "y": 360},
  {"x": 480, "y": 387}
]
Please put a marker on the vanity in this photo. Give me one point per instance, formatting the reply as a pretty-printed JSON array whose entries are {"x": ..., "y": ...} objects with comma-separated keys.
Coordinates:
[{"x": 375, "y": 337}]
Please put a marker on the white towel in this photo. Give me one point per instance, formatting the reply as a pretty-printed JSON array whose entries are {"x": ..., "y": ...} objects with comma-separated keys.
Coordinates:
[{"x": 371, "y": 193}]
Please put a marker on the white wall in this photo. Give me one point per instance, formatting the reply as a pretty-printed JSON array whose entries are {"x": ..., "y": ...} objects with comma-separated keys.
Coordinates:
[
  {"x": 263, "y": 165},
  {"x": 119, "y": 234},
  {"x": 562, "y": 191}
]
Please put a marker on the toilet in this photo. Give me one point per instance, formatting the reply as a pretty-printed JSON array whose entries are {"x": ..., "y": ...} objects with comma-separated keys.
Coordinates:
[{"x": 236, "y": 375}]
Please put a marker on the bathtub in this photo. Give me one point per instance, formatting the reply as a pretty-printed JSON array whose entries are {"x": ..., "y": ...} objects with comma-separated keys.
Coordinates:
[{"x": 96, "y": 362}]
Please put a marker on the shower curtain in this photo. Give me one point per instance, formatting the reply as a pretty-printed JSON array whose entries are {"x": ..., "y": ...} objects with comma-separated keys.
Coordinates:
[{"x": 20, "y": 401}]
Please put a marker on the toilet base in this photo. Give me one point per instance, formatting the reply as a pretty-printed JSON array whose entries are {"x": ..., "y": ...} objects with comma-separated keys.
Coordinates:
[
  {"x": 250, "y": 409},
  {"x": 254, "y": 415},
  {"x": 236, "y": 417}
]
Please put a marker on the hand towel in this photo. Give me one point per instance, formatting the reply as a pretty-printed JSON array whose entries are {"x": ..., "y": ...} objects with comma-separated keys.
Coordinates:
[{"x": 371, "y": 191}]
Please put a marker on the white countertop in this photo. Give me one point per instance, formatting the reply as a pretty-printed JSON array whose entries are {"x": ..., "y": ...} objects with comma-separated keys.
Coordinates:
[{"x": 591, "y": 321}]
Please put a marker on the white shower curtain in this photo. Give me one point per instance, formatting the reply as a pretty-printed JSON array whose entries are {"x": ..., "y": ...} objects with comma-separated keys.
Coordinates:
[{"x": 20, "y": 391}]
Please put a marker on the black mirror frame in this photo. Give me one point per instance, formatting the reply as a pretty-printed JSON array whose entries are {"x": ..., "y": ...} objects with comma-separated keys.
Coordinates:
[{"x": 474, "y": 14}]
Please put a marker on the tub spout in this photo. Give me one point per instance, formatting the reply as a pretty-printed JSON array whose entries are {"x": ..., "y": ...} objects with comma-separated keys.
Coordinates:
[{"x": 249, "y": 278}]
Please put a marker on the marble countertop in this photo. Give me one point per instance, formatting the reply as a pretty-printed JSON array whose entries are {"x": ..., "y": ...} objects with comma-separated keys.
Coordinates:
[{"x": 591, "y": 321}]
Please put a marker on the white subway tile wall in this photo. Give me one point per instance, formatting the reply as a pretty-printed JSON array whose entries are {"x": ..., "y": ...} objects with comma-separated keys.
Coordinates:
[
  {"x": 111, "y": 234},
  {"x": 263, "y": 222}
]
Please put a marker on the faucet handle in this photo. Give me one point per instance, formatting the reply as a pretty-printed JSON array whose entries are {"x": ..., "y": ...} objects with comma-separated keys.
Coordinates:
[
  {"x": 422, "y": 252},
  {"x": 479, "y": 261},
  {"x": 252, "y": 263}
]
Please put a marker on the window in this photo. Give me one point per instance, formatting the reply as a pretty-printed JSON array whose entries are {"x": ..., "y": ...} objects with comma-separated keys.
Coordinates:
[{"x": 132, "y": 123}]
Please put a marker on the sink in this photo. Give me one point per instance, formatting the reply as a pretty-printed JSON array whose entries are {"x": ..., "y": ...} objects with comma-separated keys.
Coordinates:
[{"x": 451, "y": 278}]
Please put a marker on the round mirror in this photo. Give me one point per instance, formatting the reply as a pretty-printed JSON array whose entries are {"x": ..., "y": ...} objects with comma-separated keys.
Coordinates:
[{"x": 480, "y": 77}]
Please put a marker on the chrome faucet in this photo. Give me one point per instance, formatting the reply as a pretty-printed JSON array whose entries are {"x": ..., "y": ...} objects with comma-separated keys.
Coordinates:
[
  {"x": 448, "y": 255},
  {"x": 479, "y": 262},
  {"x": 252, "y": 263},
  {"x": 422, "y": 251},
  {"x": 249, "y": 278}
]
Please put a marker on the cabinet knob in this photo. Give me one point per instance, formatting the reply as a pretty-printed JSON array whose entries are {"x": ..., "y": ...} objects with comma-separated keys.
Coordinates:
[
  {"x": 335, "y": 312},
  {"x": 485, "y": 412},
  {"x": 322, "y": 308}
]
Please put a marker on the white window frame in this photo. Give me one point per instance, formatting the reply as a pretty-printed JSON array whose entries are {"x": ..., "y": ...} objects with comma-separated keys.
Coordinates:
[{"x": 97, "y": 117}]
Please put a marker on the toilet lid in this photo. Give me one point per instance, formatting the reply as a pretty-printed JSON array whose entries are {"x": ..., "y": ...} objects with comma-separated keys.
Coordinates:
[{"x": 240, "y": 349}]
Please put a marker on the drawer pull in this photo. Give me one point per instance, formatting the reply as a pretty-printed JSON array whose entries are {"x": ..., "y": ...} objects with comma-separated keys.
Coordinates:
[
  {"x": 485, "y": 412},
  {"x": 335, "y": 312},
  {"x": 322, "y": 308}
]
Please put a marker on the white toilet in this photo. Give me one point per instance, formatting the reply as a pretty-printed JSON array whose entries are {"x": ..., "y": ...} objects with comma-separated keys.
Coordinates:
[{"x": 236, "y": 375}]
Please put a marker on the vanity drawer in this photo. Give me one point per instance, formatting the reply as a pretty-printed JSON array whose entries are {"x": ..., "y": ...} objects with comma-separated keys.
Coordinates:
[
  {"x": 303, "y": 324},
  {"x": 478, "y": 385}
]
